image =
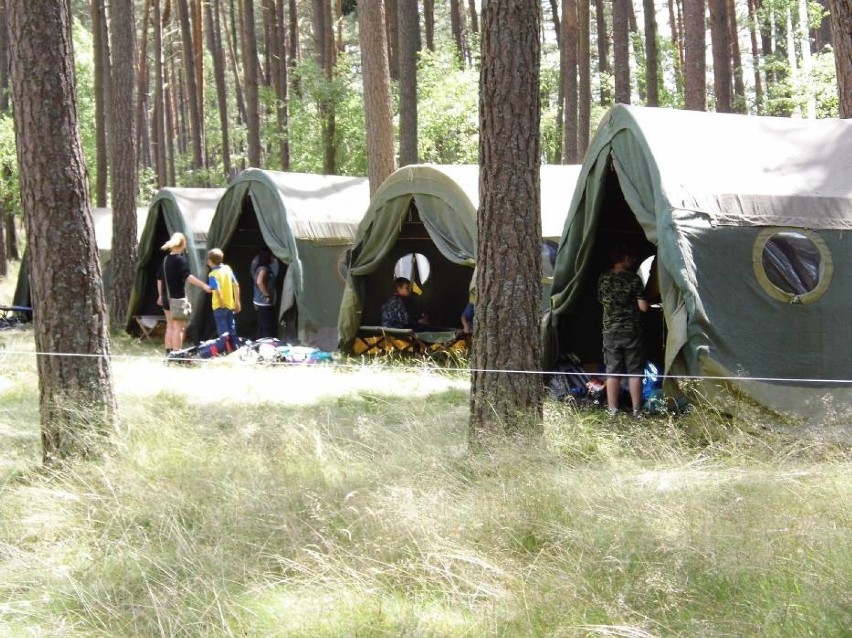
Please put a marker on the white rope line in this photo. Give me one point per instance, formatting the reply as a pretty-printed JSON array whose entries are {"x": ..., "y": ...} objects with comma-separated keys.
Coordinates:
[{"x": 438, "y": 369}]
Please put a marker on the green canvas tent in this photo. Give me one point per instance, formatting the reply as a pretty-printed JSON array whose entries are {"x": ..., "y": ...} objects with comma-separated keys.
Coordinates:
[
  {"x": 308, "y": 222},
  {"x": 748, "y": 220},
  {"x": 185, "y": 210},
  {"x": 423, "y": 218},
  {"x": 102, "y": 220}
]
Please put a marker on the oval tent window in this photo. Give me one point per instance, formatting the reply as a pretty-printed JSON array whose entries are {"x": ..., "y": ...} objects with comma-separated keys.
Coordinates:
[
  {"x": 794, "y": 265},
  {"x": 414, "y": 267}
]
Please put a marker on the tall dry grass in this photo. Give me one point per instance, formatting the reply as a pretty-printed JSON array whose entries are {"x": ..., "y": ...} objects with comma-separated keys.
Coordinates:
[{"x": 243, "y": 500}]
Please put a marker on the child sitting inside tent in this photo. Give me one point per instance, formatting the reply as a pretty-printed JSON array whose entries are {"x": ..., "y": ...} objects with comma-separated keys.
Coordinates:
[{"x": 398, "y": 312}]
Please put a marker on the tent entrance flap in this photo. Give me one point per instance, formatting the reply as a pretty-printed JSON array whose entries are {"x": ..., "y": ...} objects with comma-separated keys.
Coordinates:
[
  {"x": 153, "y": 263},
  {"x": 240, "y": 251},
  {"x": 444, "y": 284},
  {"x": 580, "y": 330}
]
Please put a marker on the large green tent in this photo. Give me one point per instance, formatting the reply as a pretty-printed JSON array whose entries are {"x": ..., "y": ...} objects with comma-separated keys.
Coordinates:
[
  {"x": 308, "y": 222},
  {"x": 185, "y": 210},
  {"x": 748, "y": 221},
  {"x": 430, "y": 211},
  {"x": 102, "y": 220}
]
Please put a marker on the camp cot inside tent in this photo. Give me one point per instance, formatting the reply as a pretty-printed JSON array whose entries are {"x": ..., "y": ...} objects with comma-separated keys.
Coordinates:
[
  {"x": 185, "y": 210},
  {"x": 102, "y": 220},
  {"x": 421, "y": 224},
  {"x": 308, "y": 222},
  {"x": 747, "y": 220}
]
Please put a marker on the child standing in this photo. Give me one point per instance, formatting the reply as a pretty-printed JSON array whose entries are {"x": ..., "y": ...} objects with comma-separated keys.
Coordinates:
[
  {"x": 620, "y": 291},
  {"x": 226, "y": 293}
]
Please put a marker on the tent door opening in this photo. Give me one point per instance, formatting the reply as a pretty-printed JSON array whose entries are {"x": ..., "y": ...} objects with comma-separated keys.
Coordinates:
[
  {"x": 581, "y": 332},
  {"x": 444, "y": 290},
  {"x": 154, "y": 262}
]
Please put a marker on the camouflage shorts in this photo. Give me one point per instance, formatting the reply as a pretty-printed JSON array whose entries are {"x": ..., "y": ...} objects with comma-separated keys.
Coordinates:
[{"x": 623, "y": 353}]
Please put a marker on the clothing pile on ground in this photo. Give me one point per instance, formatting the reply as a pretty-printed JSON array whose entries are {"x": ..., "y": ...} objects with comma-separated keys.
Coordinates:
[
  {"x": 571, "y": 382},
  {"x": 267, "y": 350}
]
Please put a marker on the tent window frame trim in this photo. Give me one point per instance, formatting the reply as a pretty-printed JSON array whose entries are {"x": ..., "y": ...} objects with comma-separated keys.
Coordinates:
[{"x": 826, "y": 266}]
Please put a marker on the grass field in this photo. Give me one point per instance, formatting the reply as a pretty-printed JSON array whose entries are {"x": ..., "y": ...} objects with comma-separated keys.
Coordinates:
[{"x": 246, "y": 500}]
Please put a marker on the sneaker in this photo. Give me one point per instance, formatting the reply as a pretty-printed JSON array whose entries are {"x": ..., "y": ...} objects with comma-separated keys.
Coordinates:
[
  {"x": 637, "y": 414},
  {"x": 611, "y": 411}
]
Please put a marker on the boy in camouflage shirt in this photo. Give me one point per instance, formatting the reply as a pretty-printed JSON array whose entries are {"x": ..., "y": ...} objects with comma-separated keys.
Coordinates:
[{"x": 621, "y": 293}]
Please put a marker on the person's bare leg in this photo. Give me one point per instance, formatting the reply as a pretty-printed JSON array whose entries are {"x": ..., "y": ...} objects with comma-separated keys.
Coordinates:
[
  {"x": 613, "y": 388},
  {"x": 636, "y": 393},
  {"x": 180, "y": 330},
  {"x": 168, "y": 336}
]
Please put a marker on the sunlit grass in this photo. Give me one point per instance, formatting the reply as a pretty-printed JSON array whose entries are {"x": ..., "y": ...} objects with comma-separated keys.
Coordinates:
[{"x": 250, "y": 500}]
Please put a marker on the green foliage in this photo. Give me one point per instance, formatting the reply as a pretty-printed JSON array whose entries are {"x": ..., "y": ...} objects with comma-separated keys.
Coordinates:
[
  {"x": 825, "y": 85},
  {"x": 447, "y": 109}
]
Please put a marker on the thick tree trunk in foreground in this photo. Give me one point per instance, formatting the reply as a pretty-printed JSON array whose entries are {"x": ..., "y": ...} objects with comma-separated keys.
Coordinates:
[
  {"x": 841, "y": 33},
  {"x": 377, "y": 91},
  {"x": 123, "y": 160},
  {"x": 76, "y": 401},
  {"x": 509, "y": 225}
]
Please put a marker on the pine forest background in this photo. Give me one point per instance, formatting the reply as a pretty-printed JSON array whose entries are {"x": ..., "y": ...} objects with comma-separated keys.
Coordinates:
[{"x": 227, "y": 84}]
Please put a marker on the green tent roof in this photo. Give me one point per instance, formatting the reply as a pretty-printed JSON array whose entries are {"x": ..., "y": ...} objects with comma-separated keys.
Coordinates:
[
  {"x": 185, "y": 210},
  {"x": 447, "y": 200},
  {"x": 708, "y": 193},
  {"x": 308, "y": 221}
]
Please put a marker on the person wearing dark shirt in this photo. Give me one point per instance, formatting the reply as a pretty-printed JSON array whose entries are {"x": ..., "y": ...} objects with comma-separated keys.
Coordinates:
[
  {"x": 264, "y": 289},
  {"x": 620, "y": 292},
  {"x": 396, "y": 311},
  {"x": 171, "y": 290}
]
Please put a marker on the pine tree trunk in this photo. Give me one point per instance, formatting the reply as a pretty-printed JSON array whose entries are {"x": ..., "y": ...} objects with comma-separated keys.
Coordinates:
[
  {"x": 652, "y": 64},
  {"x": 570, "y": 37},
  {"x": 142, "y": 141},
  {"x": 4, "y": 62},
  {"x": 677, "y": 43},
  {"x": 456, "y": 28},
  {"x": 429, "y": 23},
  {"x": 193, "y": 102},
  {"x": 159, "y": 127},
  {"x": 841, "y": 28},
  {"x": 621, "y": 51},
  {"x": 76, "y": 401},
  {"x": 694, "y": 44},
  {"x": 12, "y": 251},
  {"x": 391, "y": 26},
  {"x": 324, "y": 39},
  {"x": 603, "y": 53},
  {"x": 409, "y": 47},
  {"x": 294, "y": 55},
  {"x": 755, "y": 58},
  {"x": 508, "y": 276},
  {"x": 585, "y": 79},
  {"x": 635, "y": 39},
  {"x": 557, "y": 23},
  {"x": 101, "y": 69},
  {"x": 721, "y": 46},
  {"x": 474, "y": 19},
  {"x": 249, "y": 46},
  {"x": 214, "y": 46},
  {"x": 280, "y": 73},
  {"x": 378, "y": 116},
  {"x": 4, "y": 261},
  {"x": 739, "y": 103}
]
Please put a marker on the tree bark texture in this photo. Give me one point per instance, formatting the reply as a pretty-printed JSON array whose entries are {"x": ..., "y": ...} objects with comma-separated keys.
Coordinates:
[
  {"x": 474, "y": 18},
  {"x": 621, "y": 51},
  {"x": 678, "y": 48},
  {"x": 841, "y": 33},
  {"x": 652, "y": 64},
  {"x": 721, "y": 46},
  {"x": 739, "y": 98},
  {"x": 409, "y": 47},
  {"x": 193, "y": 102},
  {"x": 603, "y": 52},
  {"x": 4, "y": 62},
  {"x": 101, "y": 69},
  {"x": 456, "y": 28},
  {"x": 159, "y": 127},
  {"x": 250, "y": 71},
  {"x": 695, "y": 67},
  {"x": 378, "y": 115},
  {"x": 568, "y": 66},
  {"x": 214, "y": 45},
  {"x": 429, "y": 23},
  {"x": 584, "y": 80},
  {"x": 508, "y": 281},
  {"x": 280, "y": 73},
  {"x": 392, "y": 26},
  {"x": 124, "y": 179},
  {"x": 76, "y": 400},
  {"x": 324, "y": 44},
  {"x": 755, "y": 57},
  {"x": 557, "y": 23}
]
